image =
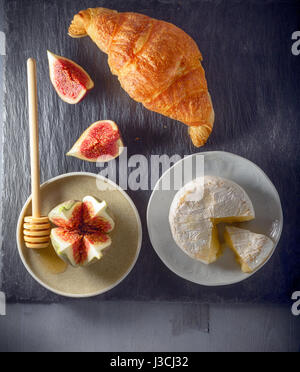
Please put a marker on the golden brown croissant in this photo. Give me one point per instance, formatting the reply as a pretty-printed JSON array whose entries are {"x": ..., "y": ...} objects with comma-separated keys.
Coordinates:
[{"x": 157, "y": 64}]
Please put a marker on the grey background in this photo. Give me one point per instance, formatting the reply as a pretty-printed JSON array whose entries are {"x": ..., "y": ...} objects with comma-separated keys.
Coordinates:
[
  {"x": 107, "y": 326},
  {"x": 147, "y": 326}
]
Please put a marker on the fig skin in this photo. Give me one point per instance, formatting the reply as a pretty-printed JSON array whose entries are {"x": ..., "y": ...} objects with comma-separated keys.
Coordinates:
[
  {"x": 86, "y": 86},
  {"x": 77, "y": 151}
]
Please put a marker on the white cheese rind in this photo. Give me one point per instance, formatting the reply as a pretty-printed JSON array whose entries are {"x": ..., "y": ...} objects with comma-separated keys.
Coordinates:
[
  {"x": 252, "y": 249},
  {"x": 198, "y": 206}
]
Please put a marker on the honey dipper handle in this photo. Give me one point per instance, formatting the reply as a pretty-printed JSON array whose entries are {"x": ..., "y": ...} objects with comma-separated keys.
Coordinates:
[{"x": 34, "y": 137}]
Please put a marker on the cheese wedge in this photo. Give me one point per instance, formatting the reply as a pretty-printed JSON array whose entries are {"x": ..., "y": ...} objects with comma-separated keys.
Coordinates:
[
  {"x": 251, "y": 249},
  {"x": 198, "y": 207}
]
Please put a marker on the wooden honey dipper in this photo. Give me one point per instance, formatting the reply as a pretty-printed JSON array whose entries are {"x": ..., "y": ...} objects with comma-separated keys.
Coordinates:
[{"x": 36, "y": 227}]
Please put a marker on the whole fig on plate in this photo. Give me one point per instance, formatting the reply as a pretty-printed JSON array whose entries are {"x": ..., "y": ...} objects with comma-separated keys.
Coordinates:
[{"x": 83, "y": 230}]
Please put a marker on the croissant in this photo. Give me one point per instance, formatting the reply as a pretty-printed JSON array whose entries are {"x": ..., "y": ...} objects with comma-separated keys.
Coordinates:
[{"x": 157, "y": 64}]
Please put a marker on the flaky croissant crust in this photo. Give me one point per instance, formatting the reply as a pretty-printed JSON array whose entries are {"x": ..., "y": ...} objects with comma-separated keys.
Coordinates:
[{"x": 157, "y": 64}]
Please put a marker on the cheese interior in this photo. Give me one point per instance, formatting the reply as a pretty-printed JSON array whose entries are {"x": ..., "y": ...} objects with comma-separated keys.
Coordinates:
[{"x": 251, "y": 249}]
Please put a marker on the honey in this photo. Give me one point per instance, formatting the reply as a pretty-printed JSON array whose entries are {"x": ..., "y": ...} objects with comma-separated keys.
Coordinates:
[{"x": 50, "y": 261}]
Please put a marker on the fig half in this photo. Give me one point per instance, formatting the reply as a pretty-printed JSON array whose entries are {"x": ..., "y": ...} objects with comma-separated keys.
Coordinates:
[
  {"x": 70, "y": 80},
  {"x": 100, "y": 142},
  {"x": 83, "y": 230}
]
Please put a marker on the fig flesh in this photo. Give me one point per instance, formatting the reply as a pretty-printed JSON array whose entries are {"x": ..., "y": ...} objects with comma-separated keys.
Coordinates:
[
  {"x": 70, "y": 80},
  {"x": 83, "y": 230},
  {"x": 100, "y": 142}
]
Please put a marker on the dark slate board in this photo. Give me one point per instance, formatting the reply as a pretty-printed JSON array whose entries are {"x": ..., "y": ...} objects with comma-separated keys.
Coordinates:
[{"x": 254, "y": 81}]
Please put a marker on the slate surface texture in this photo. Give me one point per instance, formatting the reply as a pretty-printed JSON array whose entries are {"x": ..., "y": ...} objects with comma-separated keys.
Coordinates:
[{"x": 253, "y": 78}]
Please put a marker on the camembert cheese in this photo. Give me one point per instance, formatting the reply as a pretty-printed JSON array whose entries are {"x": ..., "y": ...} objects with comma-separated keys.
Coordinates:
[
  {"x": 198, "y": 207},
  {"x": 251, "y": 249}
]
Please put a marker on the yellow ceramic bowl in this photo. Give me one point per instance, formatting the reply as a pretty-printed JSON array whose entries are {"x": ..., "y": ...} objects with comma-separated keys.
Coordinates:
[{"x": 119, "y": 259}]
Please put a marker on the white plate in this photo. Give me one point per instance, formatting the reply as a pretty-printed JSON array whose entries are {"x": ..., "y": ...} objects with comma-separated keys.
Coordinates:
[
  {"x": 265, "y": 199},
  {"x": 119, "y": 259}
]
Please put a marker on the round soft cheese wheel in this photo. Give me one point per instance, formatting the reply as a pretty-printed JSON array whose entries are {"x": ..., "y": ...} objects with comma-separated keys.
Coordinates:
[{"x": 198, "y": 207}]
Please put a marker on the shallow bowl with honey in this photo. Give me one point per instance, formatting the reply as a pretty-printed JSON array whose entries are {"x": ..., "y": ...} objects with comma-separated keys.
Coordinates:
[{"x": 119, "y": 259}]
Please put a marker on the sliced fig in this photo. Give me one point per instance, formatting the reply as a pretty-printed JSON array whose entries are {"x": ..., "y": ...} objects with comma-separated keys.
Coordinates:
[
  {"x": 82, "y": 232},
  {"x": 94, "y": 244},
  {"x": 100, "y": 142},
  {"x": 95, "y": 216},
  {"x": 67, "y": 215},
  {"x": 70, "y": 80},
  {"x": 67, "y": 244}
]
